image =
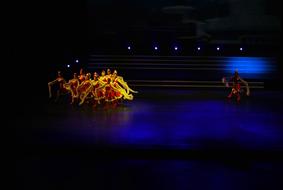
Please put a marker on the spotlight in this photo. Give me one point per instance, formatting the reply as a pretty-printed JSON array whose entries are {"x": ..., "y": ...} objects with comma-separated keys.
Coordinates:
[
  {"x": 129, "y": 47},
  {"x": 77, "y": 61},
  {"x": 241, "y": 49},
  {"x": 218, "y": 48},
  {"x": 68, "y": 66},
  {"x": 176, "y": 48},
  {"x": 156, "y": 48},
  {"x": 198, "y": 48}
]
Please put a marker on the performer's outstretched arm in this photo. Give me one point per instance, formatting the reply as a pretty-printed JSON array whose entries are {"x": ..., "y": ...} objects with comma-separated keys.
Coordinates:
[
  {"x": 247, "y": 86},
  {"x": 125, "y": 85},
  {"x": 50, "y": 84},
  {"x": 84, "y": 95}
]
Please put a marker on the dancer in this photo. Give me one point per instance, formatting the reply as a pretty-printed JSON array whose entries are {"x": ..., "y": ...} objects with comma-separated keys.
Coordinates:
[
  {"x": 108, "y": 73},
  {"x": 72, "y": 86},
  {"x": 124, "y": 84},
  {"x": 59, "y": 83},
  {"x": 84, "y": 88},
  {"x": 236, "y": 86},
  {"x": 118, "y": 89},
  {"x": 102, "y": 78},
  {"x": 99, "y": 93},
  {"x": 82, "y": 76}
]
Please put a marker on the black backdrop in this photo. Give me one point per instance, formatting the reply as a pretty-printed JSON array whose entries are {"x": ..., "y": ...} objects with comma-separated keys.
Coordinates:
[{"x": 46, "y": 35}]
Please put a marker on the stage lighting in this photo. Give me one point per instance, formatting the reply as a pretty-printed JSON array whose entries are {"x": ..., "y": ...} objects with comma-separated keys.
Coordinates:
[
  {"x": 218, "y": 48},
  {"x": 241, "y": 49},
  {"x": 68, "y": 66},
  {"x": 129, "y": 47},
  {"x": 176, "y": 48},
  {"x": 249, "y": 67},
  {"x": 156, "y": 48},
  {"x": 77, "y": 61},
  {"x": 198, "y": 48}
]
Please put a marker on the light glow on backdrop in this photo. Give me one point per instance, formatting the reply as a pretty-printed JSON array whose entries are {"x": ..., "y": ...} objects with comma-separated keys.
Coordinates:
[{"x": 250, "y": 67}]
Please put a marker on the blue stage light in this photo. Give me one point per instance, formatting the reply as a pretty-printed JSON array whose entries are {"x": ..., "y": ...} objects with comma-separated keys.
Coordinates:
[{"x": 250, "y": 67}]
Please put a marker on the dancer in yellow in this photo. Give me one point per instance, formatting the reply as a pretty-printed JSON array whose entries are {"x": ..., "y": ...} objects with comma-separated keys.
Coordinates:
[
  {"x": 84, "y": 88},
  {"x": 119, "y": 90},
  {"x": 98, "y": 93},
  {"x": 124, "y": 84},
  {"x": 72, "y": 86}
]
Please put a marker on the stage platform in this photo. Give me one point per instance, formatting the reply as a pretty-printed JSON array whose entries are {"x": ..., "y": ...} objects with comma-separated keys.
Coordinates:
[
  {"x": 164, "y": 139},
  {"x": 166, "y": 118}
]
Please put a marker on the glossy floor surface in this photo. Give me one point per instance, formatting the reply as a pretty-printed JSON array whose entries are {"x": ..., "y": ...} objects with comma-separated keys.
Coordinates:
[{"x": 164, "y": 139}]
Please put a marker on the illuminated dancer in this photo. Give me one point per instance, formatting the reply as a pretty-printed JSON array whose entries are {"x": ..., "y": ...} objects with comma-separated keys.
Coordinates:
[
  {"x": 72, "y": 86},
  {"x": 97, "y": 92},
  {"x": 236, "y": 86},
  {"x": 114, "y": 94},
  {"x": 84, "y": 88},
  {"x": 59, "y": 84},
  {"x": 109, "y": 91},
  {"x": 82, "y": 76},
  {"x": 121, "y": 89},
  {"x": 108, "y": 73},
  {"x": 102, "y": 78}
]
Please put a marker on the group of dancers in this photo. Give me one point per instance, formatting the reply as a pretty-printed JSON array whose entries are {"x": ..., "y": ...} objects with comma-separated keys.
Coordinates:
[{"x": 108, "y": 89}]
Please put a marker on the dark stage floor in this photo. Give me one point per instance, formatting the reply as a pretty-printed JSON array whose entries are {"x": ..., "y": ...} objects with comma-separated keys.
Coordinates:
[{"x": 164, "y": 139}]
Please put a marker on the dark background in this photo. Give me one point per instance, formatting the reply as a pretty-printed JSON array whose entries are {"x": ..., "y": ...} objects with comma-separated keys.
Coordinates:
[
  {"x": 47, "y": 35},
  {"x": 56, "y": 32}
]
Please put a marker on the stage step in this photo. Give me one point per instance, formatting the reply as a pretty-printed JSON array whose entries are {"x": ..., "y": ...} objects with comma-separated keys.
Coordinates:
[
  {"x": 186, "y": 84},
  {"x": 176, "y": 71}
]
